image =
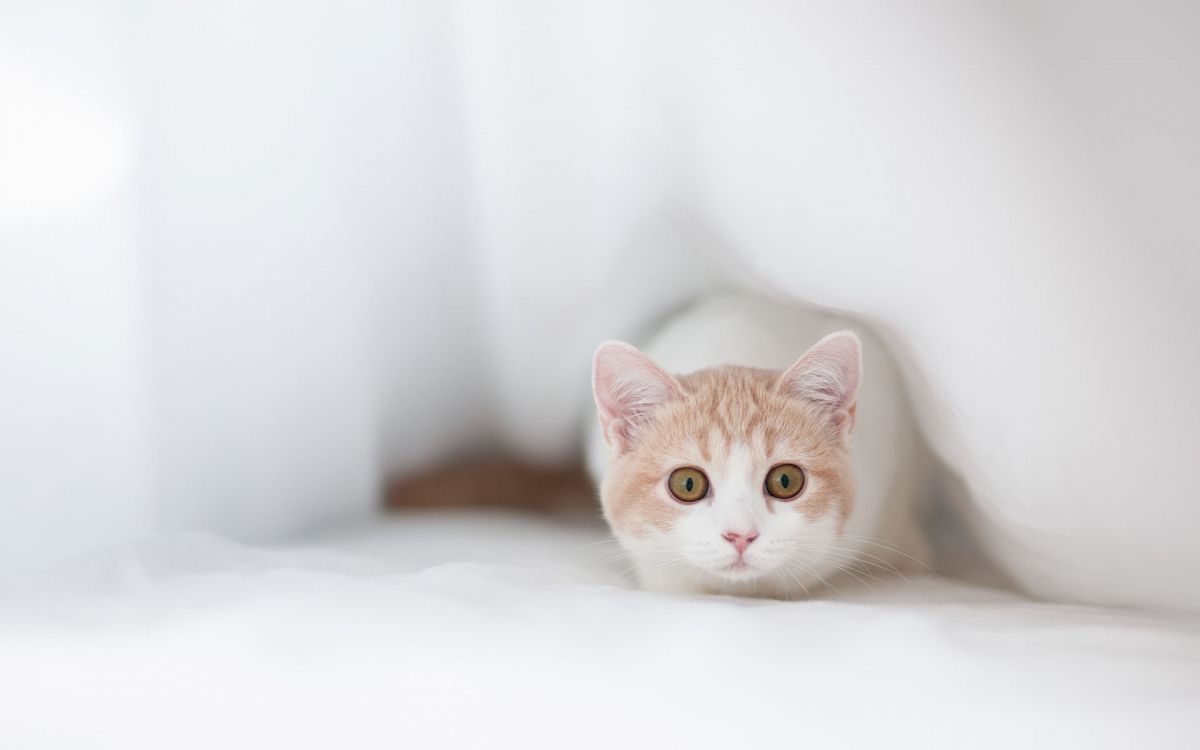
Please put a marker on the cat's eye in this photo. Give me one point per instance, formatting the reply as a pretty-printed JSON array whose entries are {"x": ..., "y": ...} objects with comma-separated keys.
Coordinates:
[
  {"x": 784, "y": 481},
  {"x": 688, "y": 484}
]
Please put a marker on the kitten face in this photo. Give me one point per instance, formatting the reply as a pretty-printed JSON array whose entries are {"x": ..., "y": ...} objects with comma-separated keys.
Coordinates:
[{"x": 733, "y": 424}]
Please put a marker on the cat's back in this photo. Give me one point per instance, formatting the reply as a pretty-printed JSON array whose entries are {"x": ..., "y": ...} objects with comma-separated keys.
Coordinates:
[{"x": 730, "y": 328}]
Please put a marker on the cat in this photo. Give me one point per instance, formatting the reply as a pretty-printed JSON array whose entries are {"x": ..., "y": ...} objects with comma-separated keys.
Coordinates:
[
  {"x": 758, "y": 468},
  {"x": 806, "y": 467}
]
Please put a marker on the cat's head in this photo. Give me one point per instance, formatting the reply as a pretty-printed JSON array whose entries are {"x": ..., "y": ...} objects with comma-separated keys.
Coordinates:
[{"x": 731, "y": 472}]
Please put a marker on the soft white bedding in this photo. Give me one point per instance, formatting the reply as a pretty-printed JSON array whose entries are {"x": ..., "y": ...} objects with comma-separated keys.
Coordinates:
[{"x": 510, "y": 631}]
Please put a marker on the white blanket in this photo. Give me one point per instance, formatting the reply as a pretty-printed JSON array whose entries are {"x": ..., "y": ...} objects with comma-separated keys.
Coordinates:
[{"x": 493, "y": 630}]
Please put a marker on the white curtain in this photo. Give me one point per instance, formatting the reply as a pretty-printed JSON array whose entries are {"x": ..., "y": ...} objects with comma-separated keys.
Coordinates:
[{"x": 257, "y": 256}]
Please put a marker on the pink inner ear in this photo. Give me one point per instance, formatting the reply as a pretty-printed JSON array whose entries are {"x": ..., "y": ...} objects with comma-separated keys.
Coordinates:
[
  {"x": 628, "y": 386},
  {"x": 828, "y": 374}
]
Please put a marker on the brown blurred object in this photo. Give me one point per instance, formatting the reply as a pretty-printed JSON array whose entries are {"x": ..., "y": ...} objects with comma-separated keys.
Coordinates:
[{"x": 496, "y": 483}]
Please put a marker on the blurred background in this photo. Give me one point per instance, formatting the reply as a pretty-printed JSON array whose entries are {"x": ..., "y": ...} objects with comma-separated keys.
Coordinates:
[{"x": 260, "y": 257}]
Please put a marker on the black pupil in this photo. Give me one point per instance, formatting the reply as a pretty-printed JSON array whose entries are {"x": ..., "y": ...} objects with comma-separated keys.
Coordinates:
[
  {"x": 689, "y": 483},
  {"x": 784, "y": 481}
]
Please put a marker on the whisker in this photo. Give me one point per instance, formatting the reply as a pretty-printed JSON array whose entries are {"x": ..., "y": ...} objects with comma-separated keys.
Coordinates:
[
  {"x": 818, "y": 576},
  {"x": 858, "y": 556},
  {"x": 883, "y": 544}
]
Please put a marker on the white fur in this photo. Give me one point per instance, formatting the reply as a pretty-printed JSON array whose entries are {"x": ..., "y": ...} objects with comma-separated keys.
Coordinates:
[{"x": 792, "y": 556}]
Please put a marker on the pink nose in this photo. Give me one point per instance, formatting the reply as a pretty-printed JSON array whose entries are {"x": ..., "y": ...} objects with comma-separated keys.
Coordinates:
[{"x": 740, "y": 541}]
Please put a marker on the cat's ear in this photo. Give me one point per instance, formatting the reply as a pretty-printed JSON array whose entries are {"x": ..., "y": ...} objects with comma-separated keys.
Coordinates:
[
  {"x": 828, "y": 376},
  {"x": 628, "y": 387}
]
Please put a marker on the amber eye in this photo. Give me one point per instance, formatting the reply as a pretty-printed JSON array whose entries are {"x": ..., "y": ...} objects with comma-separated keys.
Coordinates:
[
  {"x": 785, "y": 481},
  {"x": 688, "y": 484}
]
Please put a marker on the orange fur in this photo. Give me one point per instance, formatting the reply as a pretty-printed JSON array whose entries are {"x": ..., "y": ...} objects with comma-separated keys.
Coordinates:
[{"x": 721, "y": 408}]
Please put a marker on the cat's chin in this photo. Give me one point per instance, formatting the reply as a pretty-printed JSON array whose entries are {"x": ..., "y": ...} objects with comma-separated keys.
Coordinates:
[{"x": 741, "y": 572}]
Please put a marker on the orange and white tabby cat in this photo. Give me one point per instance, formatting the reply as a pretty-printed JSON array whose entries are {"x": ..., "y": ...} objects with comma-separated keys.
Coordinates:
[{"x": 731, "y": 460}]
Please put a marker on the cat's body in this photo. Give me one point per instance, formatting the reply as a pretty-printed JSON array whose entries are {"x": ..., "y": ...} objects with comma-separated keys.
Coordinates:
[{"x": 839, "y": 419}]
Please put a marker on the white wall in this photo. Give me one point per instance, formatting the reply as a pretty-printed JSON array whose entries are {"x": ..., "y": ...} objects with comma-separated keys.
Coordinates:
[{"x": 324, "y": 241}]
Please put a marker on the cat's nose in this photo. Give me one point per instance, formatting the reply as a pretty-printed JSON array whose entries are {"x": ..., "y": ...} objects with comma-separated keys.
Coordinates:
[{"x": 740, "y": 541}]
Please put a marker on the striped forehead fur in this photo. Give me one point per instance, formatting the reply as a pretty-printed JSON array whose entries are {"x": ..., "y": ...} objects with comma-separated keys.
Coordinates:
[{"x": 720, "y": 408}]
